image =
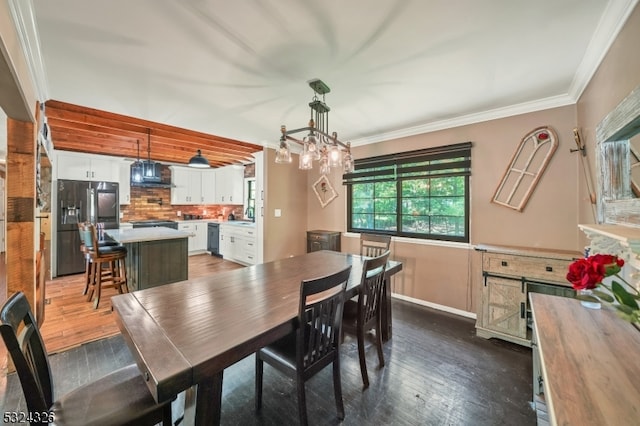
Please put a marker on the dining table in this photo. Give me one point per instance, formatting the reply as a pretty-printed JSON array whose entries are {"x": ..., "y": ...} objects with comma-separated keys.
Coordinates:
[{"x": 183, "y": 335}]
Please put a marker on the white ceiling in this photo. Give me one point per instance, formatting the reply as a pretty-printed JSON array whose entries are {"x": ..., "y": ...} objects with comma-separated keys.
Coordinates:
[{"x": 395, "y": 67}]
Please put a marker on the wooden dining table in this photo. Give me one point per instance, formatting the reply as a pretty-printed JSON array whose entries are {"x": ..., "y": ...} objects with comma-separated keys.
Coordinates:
[{"x": 183, "y": 335}]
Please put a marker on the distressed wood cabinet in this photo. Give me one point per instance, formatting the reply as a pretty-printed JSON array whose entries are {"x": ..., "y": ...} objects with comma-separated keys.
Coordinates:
[
  {"x": 509, "y": 274},
  {"x": 323, "y": 240}
]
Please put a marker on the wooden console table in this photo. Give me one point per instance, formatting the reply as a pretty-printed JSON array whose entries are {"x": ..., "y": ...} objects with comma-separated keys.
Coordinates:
[{"x": 585, "y": 363}]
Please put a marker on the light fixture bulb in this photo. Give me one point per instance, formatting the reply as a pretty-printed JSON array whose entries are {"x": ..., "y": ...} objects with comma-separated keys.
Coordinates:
[
  {"x": 335, "y": 156},
  {"x": 283, "y": 154}
]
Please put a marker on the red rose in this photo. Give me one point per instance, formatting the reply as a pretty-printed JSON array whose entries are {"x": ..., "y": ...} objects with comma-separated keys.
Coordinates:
[
  {"x": 608, "y": 264},
  {"x": 584, "y": 274},
  {"x": 588, "y": 273}
]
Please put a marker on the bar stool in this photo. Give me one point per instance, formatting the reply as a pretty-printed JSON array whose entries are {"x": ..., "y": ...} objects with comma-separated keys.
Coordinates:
[
  {"x": 112, "y": 257},
  {"x": 88, "y": 275}
]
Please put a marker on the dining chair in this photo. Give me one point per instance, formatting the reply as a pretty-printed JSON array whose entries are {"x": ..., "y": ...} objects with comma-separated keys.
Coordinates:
[
  {"x": 112, "y": 257},
  {"x": 363, "y": 314},
  {"x": 119, "y": 398},
  {"x": 314, "y": 344},
  {"x": 372, "y": 245}
]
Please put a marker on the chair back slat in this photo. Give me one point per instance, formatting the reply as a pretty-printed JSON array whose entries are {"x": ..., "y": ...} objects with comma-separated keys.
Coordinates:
[
  {"x": 371, "y": 288},
  {"x": 373, "y": 245},
  {"x": 25, "y": 346},
  {"x": 319, "y": 319}
]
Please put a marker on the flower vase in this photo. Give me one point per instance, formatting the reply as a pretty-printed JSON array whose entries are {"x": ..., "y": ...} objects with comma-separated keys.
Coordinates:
[{"x": 591, "y": 304}]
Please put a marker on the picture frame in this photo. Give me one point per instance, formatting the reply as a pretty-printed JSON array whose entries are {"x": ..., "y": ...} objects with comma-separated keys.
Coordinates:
[{"x": 324, "y": 191}]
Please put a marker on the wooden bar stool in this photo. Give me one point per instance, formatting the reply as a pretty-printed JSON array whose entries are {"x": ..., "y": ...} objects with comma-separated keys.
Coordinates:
[
  {"x": 112, "y": 258},
  {"x": 85, "y": 246}
]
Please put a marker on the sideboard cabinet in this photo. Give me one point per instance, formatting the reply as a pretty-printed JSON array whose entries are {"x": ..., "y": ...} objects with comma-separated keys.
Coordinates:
[
  {"x": 323, "y": 240},
  {"x": 508, "y": 275}
]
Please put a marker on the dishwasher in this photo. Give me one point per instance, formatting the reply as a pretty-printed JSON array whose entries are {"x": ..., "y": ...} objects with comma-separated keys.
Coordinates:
[{"x": 213, "y": 238}]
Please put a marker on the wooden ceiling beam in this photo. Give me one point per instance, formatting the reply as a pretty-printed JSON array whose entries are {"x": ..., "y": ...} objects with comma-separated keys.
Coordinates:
[{"x": 81, "y": 129}]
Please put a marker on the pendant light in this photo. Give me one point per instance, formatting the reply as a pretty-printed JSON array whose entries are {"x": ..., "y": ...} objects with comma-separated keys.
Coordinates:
[
  {"x": 199, "y": 161},
  {"x": 136, "y": 167},
  {"x": 149, "y": 166}
]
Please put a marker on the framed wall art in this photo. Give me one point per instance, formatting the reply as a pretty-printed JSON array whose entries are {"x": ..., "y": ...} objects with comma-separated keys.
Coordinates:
[{"x": 324, "y": 191}]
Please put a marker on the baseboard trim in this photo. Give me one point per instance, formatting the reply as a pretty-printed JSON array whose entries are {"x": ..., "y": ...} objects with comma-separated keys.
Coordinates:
[{"x": 437, "y": 306}]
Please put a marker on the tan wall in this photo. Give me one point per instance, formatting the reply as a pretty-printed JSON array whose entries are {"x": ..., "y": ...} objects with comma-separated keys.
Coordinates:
[
  {"x": 286, "y": 190},
  {"x": 450, "y": 276},
  {"x": 616, "y": 77}
]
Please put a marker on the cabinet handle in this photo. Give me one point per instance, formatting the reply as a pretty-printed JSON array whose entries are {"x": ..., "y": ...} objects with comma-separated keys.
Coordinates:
[
  {"x": 522, "y": 310},
  {"x": 504, "y": 263},
  {"x": 548, "y": 269}
]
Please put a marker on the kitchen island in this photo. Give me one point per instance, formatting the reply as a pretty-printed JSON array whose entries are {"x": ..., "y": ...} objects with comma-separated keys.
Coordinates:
[{"x": 155, "y": 256}]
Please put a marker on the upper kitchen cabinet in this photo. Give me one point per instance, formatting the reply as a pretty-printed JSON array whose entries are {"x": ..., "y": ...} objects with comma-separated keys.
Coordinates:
[
  {"x": 208, "y": 181},
  {"x": 186, "y": 185},
  {"x": 125, "y": 182},
  {"x": 229, "y": 185},
  {"x": 76, "y": 166},
  {"x": 192, "y": 186}
]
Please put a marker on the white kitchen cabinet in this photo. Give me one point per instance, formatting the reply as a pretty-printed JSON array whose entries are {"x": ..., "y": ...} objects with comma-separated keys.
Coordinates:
[
  {"x": 76, "y": 166},
  {"x": 208, "y": 182},
  {"x": 125, "y": 182},
  {"x": 186, "y": 186},
  {"x": 229, "y": 185},
  {"x": 192, "y": 186},
  {"x": 197, "y": 241},
  {"x": 238, "y": 243}
]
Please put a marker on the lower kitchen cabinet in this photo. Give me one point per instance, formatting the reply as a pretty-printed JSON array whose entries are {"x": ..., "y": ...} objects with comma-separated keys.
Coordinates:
[
  {"x": 509, "y": 275},
  {"x": 238, "y": 243},
  {"x": 198, "y": 238}
]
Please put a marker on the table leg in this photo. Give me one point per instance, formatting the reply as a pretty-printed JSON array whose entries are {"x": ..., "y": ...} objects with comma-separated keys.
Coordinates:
[
  {"x": 209, "y": 401},
  {"x": 386, "y": 310}
]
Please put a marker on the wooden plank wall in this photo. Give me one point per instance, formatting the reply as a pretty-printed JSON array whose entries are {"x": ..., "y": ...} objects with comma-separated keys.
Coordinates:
[{"x": 20, "y": 209}]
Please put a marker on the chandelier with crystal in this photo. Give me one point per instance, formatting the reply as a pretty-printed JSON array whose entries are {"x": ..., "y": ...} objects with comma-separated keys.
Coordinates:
[{"x": 318, "y": 144}]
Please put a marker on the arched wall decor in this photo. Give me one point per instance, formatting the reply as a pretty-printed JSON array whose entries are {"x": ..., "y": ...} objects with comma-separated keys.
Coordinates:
[{"x": 525, "y": 170}]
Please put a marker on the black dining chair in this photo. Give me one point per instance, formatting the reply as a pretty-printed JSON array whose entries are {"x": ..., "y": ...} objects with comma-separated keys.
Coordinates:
[
  {"x": 119, "y": 398},
  {"x": 314, "y": 344},
  {"x": 373, "y": 245},
  {"x": 364, "y": 314}
]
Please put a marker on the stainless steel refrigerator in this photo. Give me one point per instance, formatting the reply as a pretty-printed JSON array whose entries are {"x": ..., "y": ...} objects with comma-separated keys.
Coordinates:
[{"x": 82, "y": 201}]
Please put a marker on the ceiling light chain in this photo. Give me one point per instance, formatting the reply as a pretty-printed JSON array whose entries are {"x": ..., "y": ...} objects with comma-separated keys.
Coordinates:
[{"x": 318, "y": 144}]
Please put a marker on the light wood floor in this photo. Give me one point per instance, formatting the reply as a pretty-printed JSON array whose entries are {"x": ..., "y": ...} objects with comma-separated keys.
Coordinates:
[{"x": 71, "y": 321}]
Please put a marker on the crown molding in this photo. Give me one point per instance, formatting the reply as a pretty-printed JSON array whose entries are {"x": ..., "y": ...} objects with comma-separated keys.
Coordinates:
[
  {"x": 611, "y": 23},
  {"x": 24, "y": 19},
  {"x": 494, "y": 114}
]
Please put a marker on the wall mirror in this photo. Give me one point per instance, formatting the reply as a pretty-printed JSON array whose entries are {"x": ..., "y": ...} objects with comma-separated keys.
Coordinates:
[{"x": 618, "y": 163}]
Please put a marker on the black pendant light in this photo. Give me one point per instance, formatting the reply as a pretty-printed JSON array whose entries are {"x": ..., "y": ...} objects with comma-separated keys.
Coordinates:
[
  {"x": 199, "y": 161},
  {"x": 136, "y": 168}
]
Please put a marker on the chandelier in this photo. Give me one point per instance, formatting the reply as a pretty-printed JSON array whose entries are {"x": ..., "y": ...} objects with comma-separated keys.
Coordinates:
[{"x": 318, "y": 144}]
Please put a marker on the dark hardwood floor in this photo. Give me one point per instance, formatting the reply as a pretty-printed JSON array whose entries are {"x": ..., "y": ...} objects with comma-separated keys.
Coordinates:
[{"x": 437, "y": 373}]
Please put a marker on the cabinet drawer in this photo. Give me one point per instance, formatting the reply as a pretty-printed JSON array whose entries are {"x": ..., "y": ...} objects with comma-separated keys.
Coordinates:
[
  {"x": 533, "y": 268},
  {"x": 318, "y": 237}
]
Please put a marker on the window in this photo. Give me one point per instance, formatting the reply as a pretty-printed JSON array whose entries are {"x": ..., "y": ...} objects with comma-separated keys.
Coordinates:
[{"x": 419, "y": 194}]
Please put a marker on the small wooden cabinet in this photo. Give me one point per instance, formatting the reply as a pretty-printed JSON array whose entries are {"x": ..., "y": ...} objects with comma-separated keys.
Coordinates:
[
  {"x": 508, "y": 275},
  {"x": 323, "y": 240}
]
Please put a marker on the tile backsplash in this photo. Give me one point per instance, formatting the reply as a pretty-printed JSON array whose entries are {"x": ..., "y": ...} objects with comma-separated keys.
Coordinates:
[{"x": 155, "y": 203}]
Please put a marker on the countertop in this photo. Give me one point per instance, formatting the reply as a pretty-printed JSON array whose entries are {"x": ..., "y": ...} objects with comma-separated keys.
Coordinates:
[
  {"x": 589, "y": 360},
  {"x": 136, "y": 235}
]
